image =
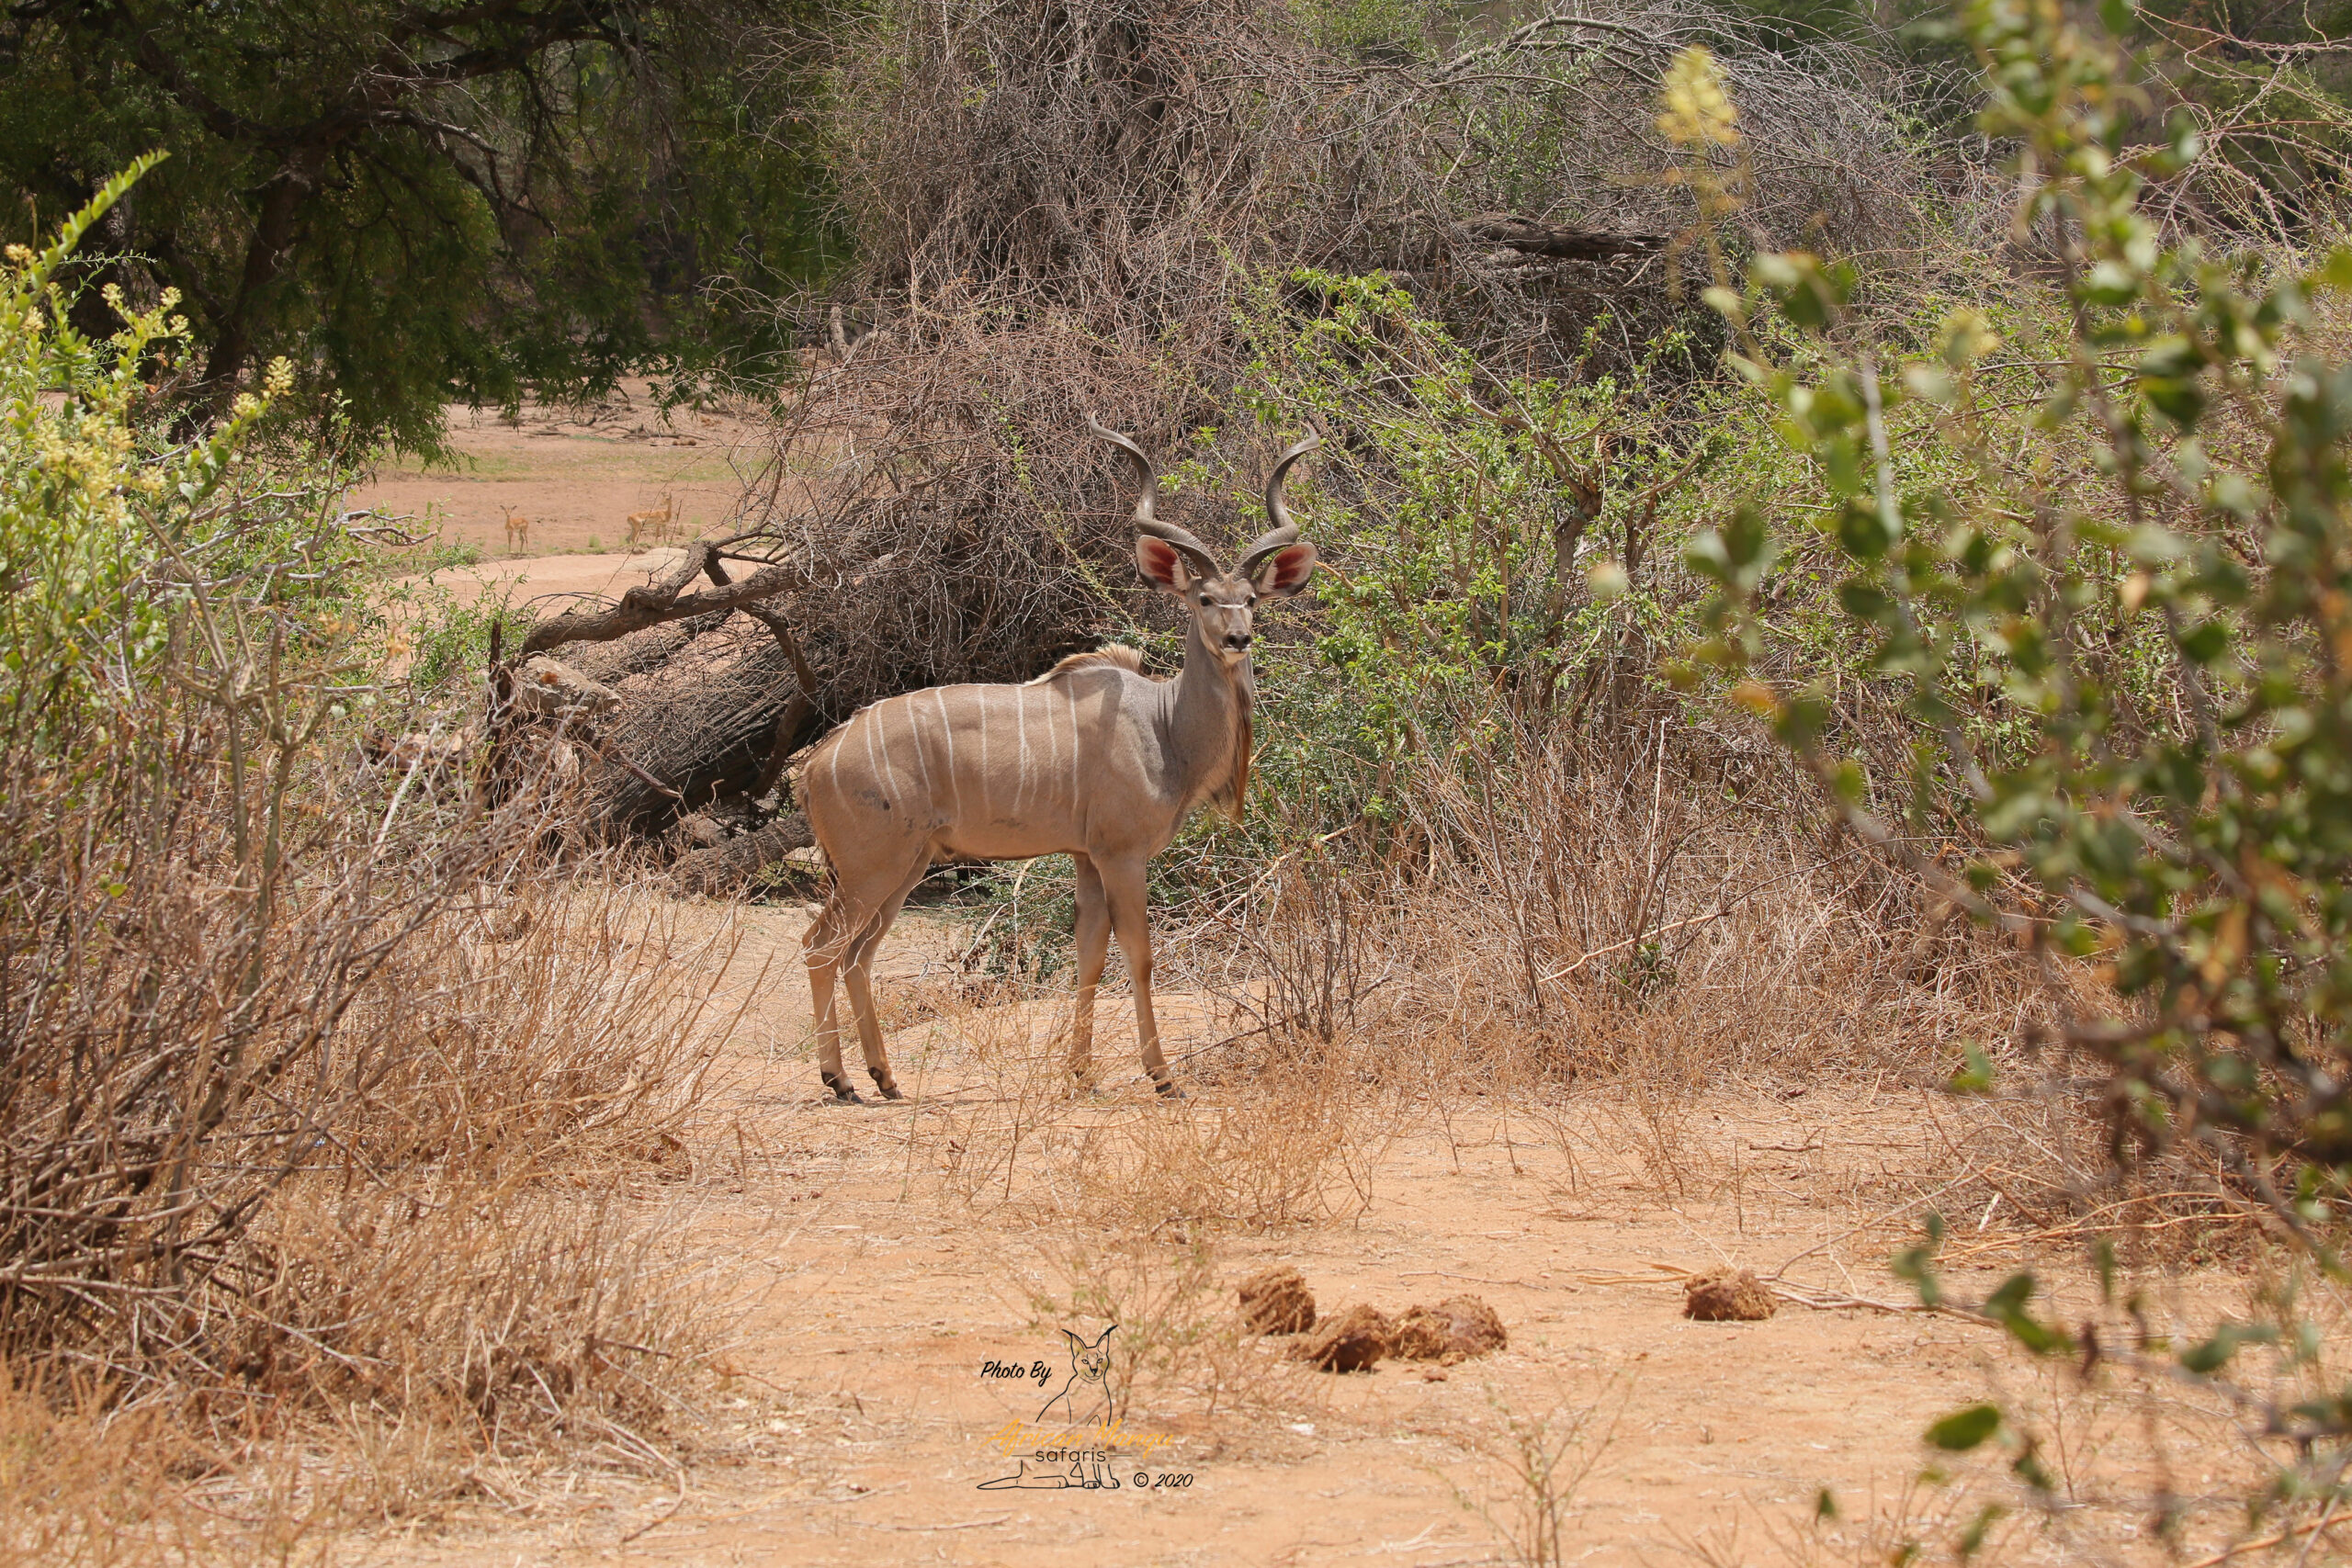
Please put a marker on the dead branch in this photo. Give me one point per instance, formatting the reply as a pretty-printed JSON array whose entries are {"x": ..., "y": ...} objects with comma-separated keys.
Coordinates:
[
  {"x": 721, "y": 870},
  {"x": 661, "y": 600}
]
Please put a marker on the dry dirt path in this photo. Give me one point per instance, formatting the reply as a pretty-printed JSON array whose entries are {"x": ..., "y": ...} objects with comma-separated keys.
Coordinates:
[{"x": 873, "y": 1262}]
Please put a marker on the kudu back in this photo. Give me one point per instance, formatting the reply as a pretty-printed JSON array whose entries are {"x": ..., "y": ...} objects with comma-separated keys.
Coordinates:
[{"x": 1093, "y": 759}]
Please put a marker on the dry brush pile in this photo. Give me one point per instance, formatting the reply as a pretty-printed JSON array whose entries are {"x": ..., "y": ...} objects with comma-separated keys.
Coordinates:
[
  {"x": 322, "y": 1083},
  {"x": 314, "y": 1101}
]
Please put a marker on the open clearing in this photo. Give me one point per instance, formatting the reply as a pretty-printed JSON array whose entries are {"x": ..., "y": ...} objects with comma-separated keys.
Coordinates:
[
  {"x": 872, "y": 1261},
  {"x": 576, "y": 472},
  {"x": 868, "y": 1264}
]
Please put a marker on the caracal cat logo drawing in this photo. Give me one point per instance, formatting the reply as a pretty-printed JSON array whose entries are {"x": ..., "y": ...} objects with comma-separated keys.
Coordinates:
[
  {"x": 1085, "y": 1399},
  {"x": 1083, "y": 1409}
]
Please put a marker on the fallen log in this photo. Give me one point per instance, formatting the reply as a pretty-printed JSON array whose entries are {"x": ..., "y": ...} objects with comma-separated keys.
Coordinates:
[
  {"x": 799, "y": 718},
  {"x": 700, "y": 713},
  {"x": 1532, "y": 236},
  {"x": 554, "y": 690},
  {"x": 700, "y": 725},
  {"x": 613, "y": 662},
  {"x": 723, "y": 869}
]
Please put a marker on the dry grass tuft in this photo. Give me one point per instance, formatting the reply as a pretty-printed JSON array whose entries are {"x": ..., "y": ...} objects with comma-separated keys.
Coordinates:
[
  {"x": 1298, "y": 1145},
  {"x": 449, "y": 1288},
  {"x": 86, "y": 1482},
  {"x": 1537, "y": 1463}
]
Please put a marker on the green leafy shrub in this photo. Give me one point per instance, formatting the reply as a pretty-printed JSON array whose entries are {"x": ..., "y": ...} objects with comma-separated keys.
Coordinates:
[
  {"x": 2119, "y": 616},
  {"x": 1464, "y": 554},
  {"x": 451, "y": 641},
  {"x": 1499, "y": 547}
]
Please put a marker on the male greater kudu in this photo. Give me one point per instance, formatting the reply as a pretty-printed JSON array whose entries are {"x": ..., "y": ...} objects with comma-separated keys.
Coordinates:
[{"x": 1093, "y": 759}]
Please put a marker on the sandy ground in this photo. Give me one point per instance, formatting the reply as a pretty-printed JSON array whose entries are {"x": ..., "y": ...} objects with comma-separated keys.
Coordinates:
[
  {"x": 871, "y": 1264},
  {"x": 871, "y": 1290},
  {"x": 576, "y": 473},
  {"x": 538, "y": 581}
]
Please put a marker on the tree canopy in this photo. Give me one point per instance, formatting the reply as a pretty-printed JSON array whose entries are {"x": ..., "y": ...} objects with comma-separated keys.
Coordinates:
[{"x": 420, "y": 201}]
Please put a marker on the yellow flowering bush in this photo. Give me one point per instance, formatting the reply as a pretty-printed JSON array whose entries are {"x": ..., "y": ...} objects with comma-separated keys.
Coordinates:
[
  {"x": 1693, "y": 109},
  {"x": 90, "y": 507}
]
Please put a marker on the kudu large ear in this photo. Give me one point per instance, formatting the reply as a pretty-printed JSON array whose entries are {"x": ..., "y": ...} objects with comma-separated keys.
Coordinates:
[
  {"x": 1164, "y": 553},
  {"x": 1162, "y": 563},
  {"x": 1280, "y": 563},
  {"x": 1285, "y": 571}
]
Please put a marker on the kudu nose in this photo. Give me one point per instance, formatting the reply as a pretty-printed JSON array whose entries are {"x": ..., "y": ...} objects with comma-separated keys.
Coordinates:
[{"x": 1238, "y": 641}]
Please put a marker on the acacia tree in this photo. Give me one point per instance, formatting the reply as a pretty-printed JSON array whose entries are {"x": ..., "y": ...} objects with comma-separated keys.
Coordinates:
[{"x": 419, "y": 199}]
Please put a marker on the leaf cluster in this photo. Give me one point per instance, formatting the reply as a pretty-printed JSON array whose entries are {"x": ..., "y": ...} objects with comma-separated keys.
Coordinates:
[
  {"x": 415, "y": 203},
  {"x": 2200, "y": 854},
  {"x": 2179, "y": 484}
]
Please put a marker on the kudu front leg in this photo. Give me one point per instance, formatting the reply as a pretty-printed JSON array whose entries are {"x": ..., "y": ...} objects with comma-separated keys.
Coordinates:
[
  {"x": 1124, "y": 884},
  {"x": 821, "y": 947},
  {"x": 1093, "y": 949},
  {"x": 857, "y": 971}
]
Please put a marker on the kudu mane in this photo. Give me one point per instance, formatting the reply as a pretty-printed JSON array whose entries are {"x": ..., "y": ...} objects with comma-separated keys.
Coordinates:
[
  {"x": 1227, "y": 797},
  {"x": 1117, "y": 654}
]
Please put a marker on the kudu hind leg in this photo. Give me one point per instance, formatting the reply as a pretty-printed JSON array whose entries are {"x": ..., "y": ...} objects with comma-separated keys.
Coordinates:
[
  {"x": 1093, "y": 935},
  {"x": 1123, "y": 882}
]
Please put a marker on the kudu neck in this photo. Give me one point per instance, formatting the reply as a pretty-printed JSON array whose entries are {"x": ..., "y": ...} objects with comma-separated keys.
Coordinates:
[{"x": 1210, "y": 706}]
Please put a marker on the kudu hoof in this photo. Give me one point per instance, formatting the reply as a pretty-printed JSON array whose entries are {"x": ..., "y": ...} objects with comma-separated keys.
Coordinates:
[
  {"x": 888, "y": 1090},
  {"x": 1168, "y": 1091},
  {"x": 842, "y": 1091}
]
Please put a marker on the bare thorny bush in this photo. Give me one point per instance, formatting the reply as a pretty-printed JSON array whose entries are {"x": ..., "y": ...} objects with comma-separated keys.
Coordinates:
[
  {"x": 316, "y": 1072},
  {"x": 1564, "y": 909},
  {"x": 296, "y": 1141},
  {"x": 1128, "y": 166},
  {"x": 1060, "y": 209}
]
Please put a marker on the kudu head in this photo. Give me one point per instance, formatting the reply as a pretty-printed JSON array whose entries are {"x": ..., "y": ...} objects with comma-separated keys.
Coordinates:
[{"x": 1222, "y": 603}]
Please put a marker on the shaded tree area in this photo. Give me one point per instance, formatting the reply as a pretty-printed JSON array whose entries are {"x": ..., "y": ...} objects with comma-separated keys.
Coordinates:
[{"x": 419, "y": 201}]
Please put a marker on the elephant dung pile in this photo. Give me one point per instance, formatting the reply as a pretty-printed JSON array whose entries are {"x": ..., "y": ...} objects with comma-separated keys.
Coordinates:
[{"x": 1276, "y": 1301}]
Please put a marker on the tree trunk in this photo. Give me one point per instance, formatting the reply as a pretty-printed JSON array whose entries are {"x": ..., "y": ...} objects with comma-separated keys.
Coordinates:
[
  {"x": 281, "y": 215},
  {"x": 703, "y": 725}
]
